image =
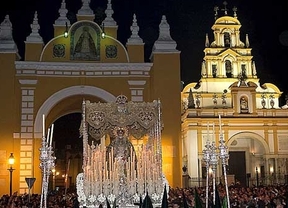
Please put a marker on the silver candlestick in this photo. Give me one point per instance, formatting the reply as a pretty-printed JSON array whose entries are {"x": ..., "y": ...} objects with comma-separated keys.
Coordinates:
[
  {"x": 211, "y": 155},
  {"x": 213, "y": 164},
  {"x": 224, "y": 156},
  {"x": 206, "y": 158},
  {"x": 47, "y": 163}
]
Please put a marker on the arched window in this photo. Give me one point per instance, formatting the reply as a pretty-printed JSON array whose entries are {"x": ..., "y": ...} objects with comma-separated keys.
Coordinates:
[
  {"x": 228, "y": 69},
  {"x": 227, "y": 39},
  {"x": 243, "y": 71}
]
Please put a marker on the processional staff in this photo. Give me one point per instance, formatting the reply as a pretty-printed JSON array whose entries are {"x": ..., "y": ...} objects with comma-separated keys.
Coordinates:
[
  {"x": 210, "y": 157},
  {"x": 224, "y": 156},
  {"x": 206, "y": 158},
  {"x": 47, "y": 162}
]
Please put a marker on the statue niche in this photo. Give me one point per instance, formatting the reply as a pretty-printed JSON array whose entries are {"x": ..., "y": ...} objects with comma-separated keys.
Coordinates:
[
  {"x": 244, "y": 105},
  {"x": 85, "y": 42}
]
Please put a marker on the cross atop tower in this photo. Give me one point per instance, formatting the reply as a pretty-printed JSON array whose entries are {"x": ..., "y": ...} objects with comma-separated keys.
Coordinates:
[
  {"x": 235, "y": 11},
  {"x": 225, "y": 7},
  {"x": 216, "y": 8}
]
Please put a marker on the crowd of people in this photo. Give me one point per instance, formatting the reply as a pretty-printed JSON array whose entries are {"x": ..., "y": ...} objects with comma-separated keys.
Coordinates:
[
  {"x": 55, "y": 199},
  {"x": 274, "y": 196}
]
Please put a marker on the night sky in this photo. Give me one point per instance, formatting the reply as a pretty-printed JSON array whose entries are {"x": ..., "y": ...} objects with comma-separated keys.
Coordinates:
[{"x": 190, "y": 20}]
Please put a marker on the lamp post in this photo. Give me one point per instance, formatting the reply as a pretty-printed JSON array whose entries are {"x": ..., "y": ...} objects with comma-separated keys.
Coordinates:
[
  {"x": 11, "y": 161},
  {"x": 54, "y": 175},
  {"x": 257, "y": 177}
]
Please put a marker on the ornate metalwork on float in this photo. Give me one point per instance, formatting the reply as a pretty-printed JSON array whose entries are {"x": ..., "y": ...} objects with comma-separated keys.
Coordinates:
[
  {"x": 211, "y": 155},
  {"x": 120, "y": 172},
  {"x": 47, "y": 162}
]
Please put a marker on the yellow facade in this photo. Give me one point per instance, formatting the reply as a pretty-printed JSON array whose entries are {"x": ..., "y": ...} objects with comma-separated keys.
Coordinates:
[
  {"x": 253, "y": 124},
  {"x": 54, "y": 78}
]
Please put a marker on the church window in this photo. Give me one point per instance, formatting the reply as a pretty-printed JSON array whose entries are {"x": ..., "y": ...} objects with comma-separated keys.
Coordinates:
[
  {"x": 227, "y": 39},
  {"x": 214, "y": 70},
  {"x": 228, "y": 69},
  {"x": 243, "y": 71}
]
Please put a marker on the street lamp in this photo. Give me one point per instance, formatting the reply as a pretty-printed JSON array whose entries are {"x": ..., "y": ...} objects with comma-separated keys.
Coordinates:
[
  {"x": 54, "y": 178},
  {"x": 54, "y": 174},
  {"x": 11, "y": 161},
  {"x": 257, "y": 177}
]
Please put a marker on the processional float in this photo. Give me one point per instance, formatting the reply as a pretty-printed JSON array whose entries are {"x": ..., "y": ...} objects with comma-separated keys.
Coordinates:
[{"x": 114, "y": 168}]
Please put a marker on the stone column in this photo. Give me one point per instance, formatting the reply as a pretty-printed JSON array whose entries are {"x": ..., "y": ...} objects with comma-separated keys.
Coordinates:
[{"x": 26, "y": 133}]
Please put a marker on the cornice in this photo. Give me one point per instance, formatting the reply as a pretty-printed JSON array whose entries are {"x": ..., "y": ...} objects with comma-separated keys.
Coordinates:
[
  {"x": 244, "y": 52},
  {"x": 81, "y": 69}
]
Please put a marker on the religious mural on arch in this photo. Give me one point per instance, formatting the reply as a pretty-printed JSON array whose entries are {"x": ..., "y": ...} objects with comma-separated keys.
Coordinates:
[{"x": 85, "y": 42}]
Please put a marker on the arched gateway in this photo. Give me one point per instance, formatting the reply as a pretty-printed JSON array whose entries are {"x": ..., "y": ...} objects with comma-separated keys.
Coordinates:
[
  {"x": 81, "y": 91},
  {"x": 82, "y": 61}
]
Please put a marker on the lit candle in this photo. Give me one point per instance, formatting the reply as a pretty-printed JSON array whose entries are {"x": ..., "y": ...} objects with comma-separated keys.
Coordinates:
[
  {"x": 220, "y": 124},
  {"x": 208, "y": 133},
  {"x": 213, "y": 136},
  {"x": 51, "y": 136},
  {"x": 110, "y": 162},
  {"x": 47, "y": 139},
  {"x": 104, "y": 172},
  {"x": 145, "y": 169},
  {"x": 43, "y": 125},
  {"x": 131, "y": 152},
  {"x": 100, "y": 171},
  {"x": 114, "y": 167},
  {"x": 133, "y": 157},
  {"x": 128, "y": 170}
]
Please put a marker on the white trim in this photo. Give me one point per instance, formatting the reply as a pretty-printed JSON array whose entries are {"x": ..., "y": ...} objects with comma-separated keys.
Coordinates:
[
  {"x": 136, "y": 82},
  {"x": 28, "y": 81},
  {"x": 64, "y": 93},
  {"x": 82, "y": 69}
]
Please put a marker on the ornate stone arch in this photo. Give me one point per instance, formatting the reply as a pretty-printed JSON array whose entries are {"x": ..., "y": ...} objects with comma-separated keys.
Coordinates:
[
  {"x": 228, "y": 68},
  {"x": 249, "y": 135},
  {"x": 227, "y": 37},
  {"x": 67, "y": 92}
]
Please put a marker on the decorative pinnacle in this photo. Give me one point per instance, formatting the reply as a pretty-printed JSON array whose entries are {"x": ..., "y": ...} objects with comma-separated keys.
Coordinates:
[
  {"x": 34, "y": 36},
  {"x": 109, "y": 21},
  {"x": 134, "y": 29}
]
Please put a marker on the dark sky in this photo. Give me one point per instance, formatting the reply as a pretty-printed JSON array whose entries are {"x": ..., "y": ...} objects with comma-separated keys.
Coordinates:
[{"x": 189, "y": 21}]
